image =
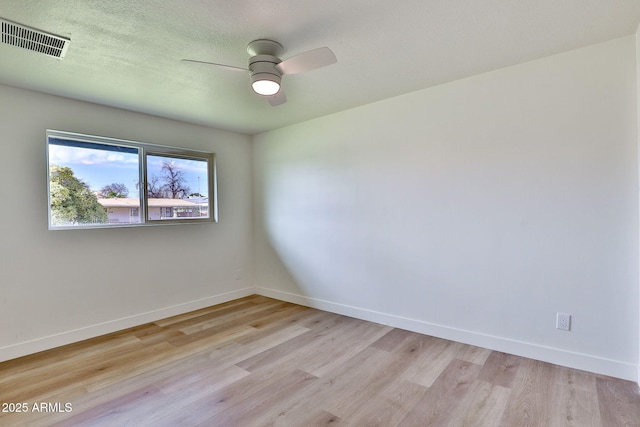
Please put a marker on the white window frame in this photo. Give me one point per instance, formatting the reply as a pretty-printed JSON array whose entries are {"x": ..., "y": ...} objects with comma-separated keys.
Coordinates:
[{"x": 144, "y": 150}]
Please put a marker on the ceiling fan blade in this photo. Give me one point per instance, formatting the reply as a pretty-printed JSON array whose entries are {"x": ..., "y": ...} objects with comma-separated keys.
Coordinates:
[
  {"x": 230, "y": 67},
  {"x": 277, "y": 99},
  {"x": 307, "y": 61}
]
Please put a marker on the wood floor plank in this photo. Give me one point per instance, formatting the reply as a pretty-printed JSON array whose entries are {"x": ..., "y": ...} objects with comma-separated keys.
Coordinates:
[
  {"x": 215, "y": 310},
  {"x": 527, "y": 407},
  {"x": 315, "y": 418},
  {"x": 389, "y": 406},
  {"x": 123, "y": 411},
  {"x": 152, "y": 333},
  {"x": 233, "y": 353},
  {"x": 482, "y": 406},
  {"x": 437, "y": 407},
  {"x": 619, "y": 402},
  {"x": 287, "y": 314},
  {"x": 473, "y": 354},
  {"x": 230, "y": 318},
  {"x": 303, "y": 317},
  {"x": 263, "y": 406},
  {"x": 261, "y": 362},
  {"x": 392, "y": 339},
  {"x": 283, "y": 352},
  {"x": 178, "y": 385},
  {"x": 432, "y": 363},
  {"x": 218, "y": 325},
  {"x": 31, "y": 369},
  {"x": 123, "y": 364},
  {"x": 500, "y": 369},
  {"x": 332, "y": 354},
  {"x": 239, "y": 393},
  {"x": 344, "y": 390},
  {"x": 375, "y": 379},
  {"x": 574, "y": 400}
]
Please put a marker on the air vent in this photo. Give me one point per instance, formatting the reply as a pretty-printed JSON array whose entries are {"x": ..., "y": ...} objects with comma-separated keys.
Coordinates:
[{"x": 32, "y": 39}]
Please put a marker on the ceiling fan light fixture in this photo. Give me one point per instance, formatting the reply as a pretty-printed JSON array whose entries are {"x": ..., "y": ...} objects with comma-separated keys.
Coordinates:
[
  {"x": 265, "y": 78},
  {"x": 265, "y": 83}
]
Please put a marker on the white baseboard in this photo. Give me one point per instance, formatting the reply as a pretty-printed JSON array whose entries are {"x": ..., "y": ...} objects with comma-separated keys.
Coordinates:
[
  {"x": 585, "y": 362},
  {"x": 68, "y": 337},
  {"x": 556, "y": 356}
]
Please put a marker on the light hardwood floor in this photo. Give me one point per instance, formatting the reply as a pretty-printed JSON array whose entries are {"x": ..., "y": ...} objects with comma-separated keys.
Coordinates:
[{"x": 261, "y": 362}]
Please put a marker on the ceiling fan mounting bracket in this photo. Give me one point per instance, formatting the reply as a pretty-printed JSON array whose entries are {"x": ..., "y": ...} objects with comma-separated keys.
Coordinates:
[{"x": 265, "y": 47}]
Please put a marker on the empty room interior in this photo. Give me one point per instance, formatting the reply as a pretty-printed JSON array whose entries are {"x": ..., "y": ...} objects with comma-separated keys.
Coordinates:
[{"x": 438, "y": 224}]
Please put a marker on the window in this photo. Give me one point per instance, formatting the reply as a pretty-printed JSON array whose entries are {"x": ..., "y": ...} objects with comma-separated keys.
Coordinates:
[{"x": 104, "y": 182}]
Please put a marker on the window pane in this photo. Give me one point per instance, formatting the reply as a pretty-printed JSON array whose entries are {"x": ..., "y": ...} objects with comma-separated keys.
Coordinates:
[
  {"x": 104, "y": 182},
  {"x": 92, "y": 183},
  {"x": 177, "y": 187}
]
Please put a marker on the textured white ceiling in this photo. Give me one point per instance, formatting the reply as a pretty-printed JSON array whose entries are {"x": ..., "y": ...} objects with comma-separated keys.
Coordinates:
[{"x": 127, "y": 53}]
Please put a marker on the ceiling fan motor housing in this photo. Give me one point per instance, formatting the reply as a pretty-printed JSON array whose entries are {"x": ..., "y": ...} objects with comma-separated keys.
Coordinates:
[{"x": 263, "y": 67}]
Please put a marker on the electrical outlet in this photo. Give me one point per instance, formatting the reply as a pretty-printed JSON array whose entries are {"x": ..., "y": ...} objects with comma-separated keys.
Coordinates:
[
  {"x": 238, "y": 274},
  {"x": 563, "y": 321}
]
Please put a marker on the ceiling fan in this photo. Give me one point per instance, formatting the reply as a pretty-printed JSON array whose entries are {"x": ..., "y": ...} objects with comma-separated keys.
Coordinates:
[{"x": 267, "y": 68}]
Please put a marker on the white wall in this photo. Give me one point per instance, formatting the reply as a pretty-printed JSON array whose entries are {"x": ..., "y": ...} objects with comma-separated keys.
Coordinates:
[
  {"x": 61, "y": 286},
  {"x": 638, "y": 131},
  {"x": 474, "y": 210}
]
